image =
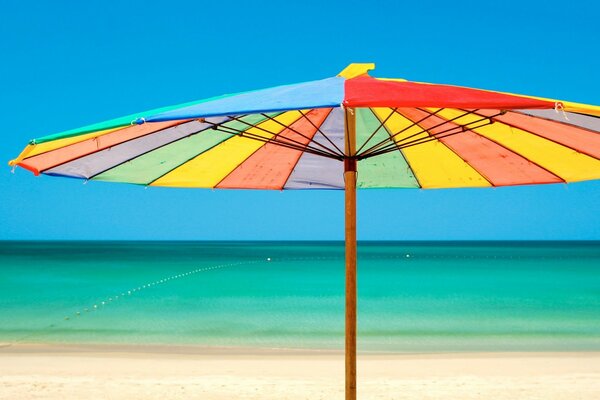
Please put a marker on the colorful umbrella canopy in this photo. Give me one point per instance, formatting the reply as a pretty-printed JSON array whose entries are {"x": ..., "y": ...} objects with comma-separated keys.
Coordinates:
[
  {"x": 408, "y": 135},
  {"x": 317, "y": 135}
]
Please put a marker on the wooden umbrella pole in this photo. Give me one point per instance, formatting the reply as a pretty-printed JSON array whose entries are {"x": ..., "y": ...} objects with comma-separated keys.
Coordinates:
[{"x": 350, "y": 201}]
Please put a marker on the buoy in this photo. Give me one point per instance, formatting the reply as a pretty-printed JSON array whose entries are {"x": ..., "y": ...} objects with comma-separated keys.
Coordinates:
[{"x": 268, "y": 258}]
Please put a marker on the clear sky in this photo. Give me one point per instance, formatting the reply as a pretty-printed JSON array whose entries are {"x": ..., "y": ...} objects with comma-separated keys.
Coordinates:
[{"x": 65, "y": 64}]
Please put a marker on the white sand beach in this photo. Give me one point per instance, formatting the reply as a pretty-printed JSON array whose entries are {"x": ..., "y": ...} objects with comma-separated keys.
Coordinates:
[{"x": 169, "y": 372}]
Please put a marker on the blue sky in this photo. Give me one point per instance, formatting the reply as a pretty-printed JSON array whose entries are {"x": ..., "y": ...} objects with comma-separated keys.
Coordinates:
[{"x": 67, "y": 64}]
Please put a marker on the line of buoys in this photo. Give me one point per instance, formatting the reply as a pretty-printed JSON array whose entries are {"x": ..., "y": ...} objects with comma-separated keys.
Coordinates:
[{"x": 132, "y": 291}]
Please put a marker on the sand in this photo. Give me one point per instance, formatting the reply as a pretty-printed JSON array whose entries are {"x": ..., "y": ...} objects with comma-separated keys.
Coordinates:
[{"x": 130, "y": 372}]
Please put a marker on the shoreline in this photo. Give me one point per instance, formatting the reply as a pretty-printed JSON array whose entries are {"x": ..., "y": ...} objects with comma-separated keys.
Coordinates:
[
  {"x": 200, "y": 350},
  {"x": 60, "y": 372}
]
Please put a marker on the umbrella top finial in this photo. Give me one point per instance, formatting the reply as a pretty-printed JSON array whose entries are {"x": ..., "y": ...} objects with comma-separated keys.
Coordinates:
[{"x": 356, "y": 69}]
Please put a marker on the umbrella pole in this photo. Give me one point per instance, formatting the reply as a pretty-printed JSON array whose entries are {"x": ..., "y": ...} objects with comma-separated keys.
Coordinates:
[{"x": 350, "y": 216}]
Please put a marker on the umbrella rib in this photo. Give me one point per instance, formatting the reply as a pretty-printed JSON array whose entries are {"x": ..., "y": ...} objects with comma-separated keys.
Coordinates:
[
  {"x": 543, "y": 137},
  {"x": 236, "y": 132},
  {"x": 97, "y": 137},
  {"x": 161, "y": 146},
  {"x": 185, "y": 162},
  {"x": 519, "y": 154},
  {"x": 428, "y": 139},
  {"x": 290, "y": 142},
  {"x": 437, "y": 136},
  {"x": 489, "y": 122},
  {"x": 444, "y": 133},
  {"x": 472, "y": 129},
  {"x": 303, "y": 148},
  {"x": 423, "y": 130},
  {"x": 341, "y": 153},
  {"x": 258, "y": 138},
  {"x": 391, "y": 142},
  {"x": 275, "y": 142},
  {"x": 459, "y": 156},
  {"x": 403, "y": 156},
  {"x": 414, "y": 123},
  {"x": 400, "y": 144},
  {"x": 556, "y": 121},
  {"x": 153, "y": 149},
  {"x": 381, "y": 123},
  {"x": 328, "y": 150},
  {"x": 119, "y": 144},
  {"x": 522, "y": 156},
  {"x": 392, "y": 136}
]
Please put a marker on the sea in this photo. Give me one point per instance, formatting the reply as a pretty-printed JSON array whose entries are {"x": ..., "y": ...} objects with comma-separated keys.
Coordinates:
[{"x": 413, "y": 297}]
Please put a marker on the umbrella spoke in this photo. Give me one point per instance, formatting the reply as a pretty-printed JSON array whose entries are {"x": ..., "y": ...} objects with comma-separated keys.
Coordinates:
[
  {"x": 295, "y": 146},
  {"x": 391, "y": 137},
  {"x": 327, "y": 149},
  {"x": 236, "y": 132},
  {"x": 381, "y": 123},
  {"x": 140, "y": 137},
  {"x": 401, "y": 143},
  {"x": 276, "y": 135},
  {"x": 141, "y": 153},
  {"x": 341, "y": 153},
  {"x": 539, "y": 134},
  {"x": 440, "y": 135},
  {"x": 277, "y": 139}
]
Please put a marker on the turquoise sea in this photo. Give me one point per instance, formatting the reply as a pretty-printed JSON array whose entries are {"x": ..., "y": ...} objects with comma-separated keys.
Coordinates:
[{"x": 413, "y": 296}]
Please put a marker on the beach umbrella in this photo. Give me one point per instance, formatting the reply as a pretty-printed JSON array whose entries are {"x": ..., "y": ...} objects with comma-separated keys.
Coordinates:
[{"x": 345, "y": 132}]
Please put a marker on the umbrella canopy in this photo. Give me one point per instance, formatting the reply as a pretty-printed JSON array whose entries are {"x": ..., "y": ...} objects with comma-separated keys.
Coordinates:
[
  {"x": 408, "y": 135},
  {"x": 317, "y": 135}
]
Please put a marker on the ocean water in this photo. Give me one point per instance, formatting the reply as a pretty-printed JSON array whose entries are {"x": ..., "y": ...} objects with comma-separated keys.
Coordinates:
[{"x": 413, "y": 297}]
